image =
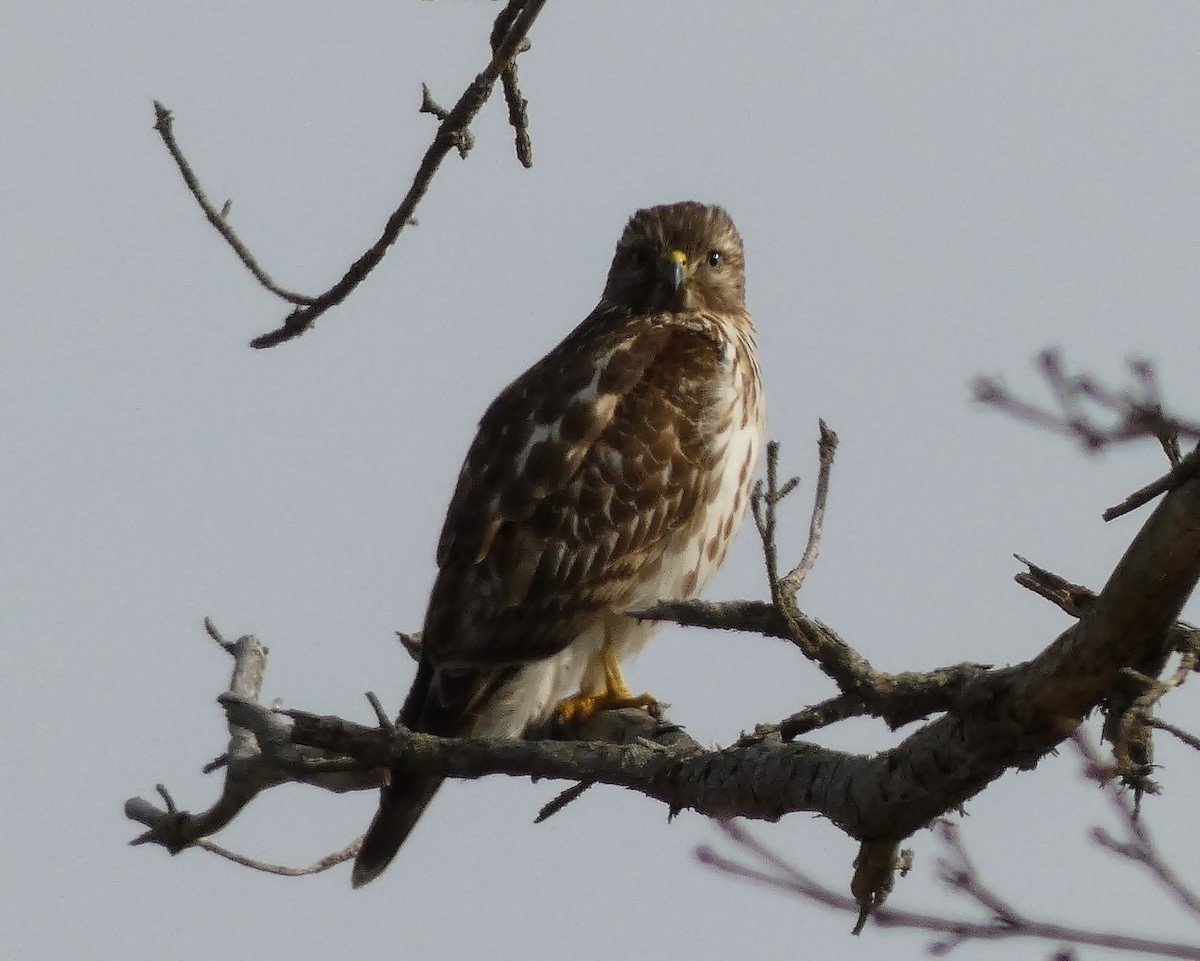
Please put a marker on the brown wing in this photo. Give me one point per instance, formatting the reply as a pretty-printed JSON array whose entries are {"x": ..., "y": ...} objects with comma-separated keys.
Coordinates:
[{"x": 580, "y": 468}]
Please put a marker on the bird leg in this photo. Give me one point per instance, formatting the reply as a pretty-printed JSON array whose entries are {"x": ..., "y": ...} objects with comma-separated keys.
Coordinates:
[{"x": 613, "y": 695}]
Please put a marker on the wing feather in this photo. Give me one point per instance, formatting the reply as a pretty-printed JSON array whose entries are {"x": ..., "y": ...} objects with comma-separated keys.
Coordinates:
[{"x": 580, "y": 468}]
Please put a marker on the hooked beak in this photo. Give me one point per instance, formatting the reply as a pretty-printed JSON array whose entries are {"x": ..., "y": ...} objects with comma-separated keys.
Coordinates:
[{"x": 675, "y": 269}]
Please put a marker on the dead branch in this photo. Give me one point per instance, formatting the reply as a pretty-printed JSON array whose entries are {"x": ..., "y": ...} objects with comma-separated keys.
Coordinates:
[
  {"x": 1094, "y": 415},
  {"x": 793, "y": 580},
  {"x": 164, "y": 124},
  {"x": 1138, "y": 845},
  {"x": 1099, "y": 417},
  {"x": 1136, "y": 691},
  {"x": 254, "y": 761},
  {"x": 509, "y": 38},
  {"x": 958, "y": 871}
]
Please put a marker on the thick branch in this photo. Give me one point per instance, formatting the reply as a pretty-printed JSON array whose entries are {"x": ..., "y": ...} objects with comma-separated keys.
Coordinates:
[{"x": 1004, "y": 718}]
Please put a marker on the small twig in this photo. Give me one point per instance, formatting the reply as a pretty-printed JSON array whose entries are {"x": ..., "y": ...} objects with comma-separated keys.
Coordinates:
[
  {"x": 411, "y": 643},
  {"x": 431, "y": 106},
  {"x": 952, "y": 931},
  {"x": 218, "y": 762},
  {"x": 1139, "y": 847},
  {"x": 163, "y": 124},
  {"x": 1189, "y": 739},
  {"x": 1138, "y": 411},
  {"x": 1182, "y": 471},
  {"x": 211, "y": 629},
  {"x": 324, "y": 864},
  {"x": 959, "y": 872},
  {"x": 382, "y": 716},
  {"x": 1075, "y": 599},
  {"x": 875, "y": 870},
  {"x": 763, "y": 507},
  {"x": 1130, "y": 731},
  {"x": 560, "y": 801},
  {"x": 826, "y": 448},
  {"x": 518, "y": 113}
]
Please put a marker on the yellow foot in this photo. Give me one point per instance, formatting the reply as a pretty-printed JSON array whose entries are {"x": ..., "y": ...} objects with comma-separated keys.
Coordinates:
[
  {"x": 583, "y": 707},
  {"x": 613, "y": 696}
]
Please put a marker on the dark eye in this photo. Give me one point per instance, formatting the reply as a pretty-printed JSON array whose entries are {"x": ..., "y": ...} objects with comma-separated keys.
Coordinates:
[
  {"x": 714, "y": 258},
  {"x": 637, "y": 258}
]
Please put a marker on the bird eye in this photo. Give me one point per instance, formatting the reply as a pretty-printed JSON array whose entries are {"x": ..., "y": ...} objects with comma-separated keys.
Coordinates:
[
  {"x": 637, "y": 258},
  {"x": 714, "y": 258}
]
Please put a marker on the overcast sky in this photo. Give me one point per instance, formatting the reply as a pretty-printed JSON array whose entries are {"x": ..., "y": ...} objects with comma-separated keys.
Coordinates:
[{"x": 927, "y": 193}]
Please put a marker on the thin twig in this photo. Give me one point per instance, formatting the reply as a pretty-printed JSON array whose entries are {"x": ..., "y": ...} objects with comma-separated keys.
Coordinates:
[
  {"x": 1181, "y": 472},
  {"x": 211, "y": 630},
  {"x": 163, "y": 124},
  {"x": 450, "y": 136},
  {"x": 324, "y": 864},
  {"x": 952, "y": 932},
  {"x": 561, "y": 800},
  {"x": 763, "y": 507},
  {"x": 1139, "y": 846},
  {"x": 826, "y": 448},
  {"x": 518, "y": 113},
  {"x": 1189, "y": 739},
  {"x": 1128, "y": 414},
  {"x": 218, "y": 762},
  {"x": 385, "y": 721}
]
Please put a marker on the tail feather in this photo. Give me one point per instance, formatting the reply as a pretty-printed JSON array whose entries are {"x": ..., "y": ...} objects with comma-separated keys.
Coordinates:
[
  {"x": 400, "y": 806},
  {"x": 441, "y": 702}
]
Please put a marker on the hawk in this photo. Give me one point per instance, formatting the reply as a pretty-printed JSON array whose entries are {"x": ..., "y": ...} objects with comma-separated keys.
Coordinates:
[{"x": 612, "y": 474}]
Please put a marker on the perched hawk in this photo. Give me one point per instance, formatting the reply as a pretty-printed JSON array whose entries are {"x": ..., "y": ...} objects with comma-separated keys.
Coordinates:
[{"x": 612, "y": 474}]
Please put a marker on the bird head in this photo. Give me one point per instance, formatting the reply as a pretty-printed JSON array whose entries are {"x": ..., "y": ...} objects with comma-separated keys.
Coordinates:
[{"x": 678, "y": 257}]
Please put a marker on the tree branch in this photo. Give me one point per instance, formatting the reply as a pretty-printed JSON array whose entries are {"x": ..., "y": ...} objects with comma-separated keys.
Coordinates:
[
  {"x": 993, "y": 720},
  {"x": 451, "y": 134},
  {"x": 1006, "y": 922},
  {"x": 163, "y": 123},
  {"x": 509, "y": 38}
]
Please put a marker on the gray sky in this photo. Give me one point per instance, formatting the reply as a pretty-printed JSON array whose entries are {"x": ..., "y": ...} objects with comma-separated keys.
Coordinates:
[{"x": 926, "y": 192}]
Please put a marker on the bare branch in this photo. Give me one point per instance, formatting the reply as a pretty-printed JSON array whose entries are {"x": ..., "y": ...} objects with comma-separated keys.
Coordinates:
[
  {"x": 1131, "y": 413},
  {"x": 452, "y": 133},
  {"x": 163, "y": 123},
  {"x": 1135, "y": 691},
  {"x": 1182, "y": 471},
  {"x": 1189, "y": 739},
  {"x": 826, "y": 448},
  {"x": 1138, "y": 846},
  {"x": 1006, "y": 921},
  {"x": 255, "y": 760},
  {"x": 324, "y": 864},
  {"x": 560, "y": 801},
  {"x": 508, "y": 40},
  {"x": 518, "y": 115}
]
